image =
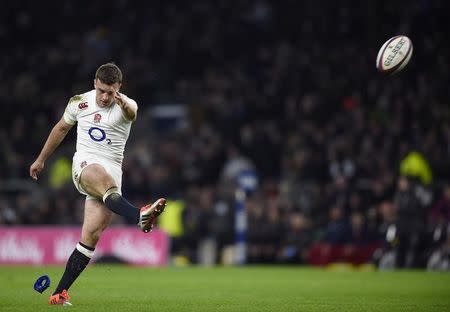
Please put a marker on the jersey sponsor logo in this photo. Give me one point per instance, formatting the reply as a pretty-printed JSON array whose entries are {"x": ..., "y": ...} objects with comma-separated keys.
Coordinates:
[
  {"x": 83, "y": 105},
  {"x": 97, "y": 134},
  {"x": 97, "y": 118}
]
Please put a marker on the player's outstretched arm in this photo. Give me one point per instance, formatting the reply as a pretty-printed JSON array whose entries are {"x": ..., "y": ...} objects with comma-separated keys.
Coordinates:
[{"x": 55, "y": 137}]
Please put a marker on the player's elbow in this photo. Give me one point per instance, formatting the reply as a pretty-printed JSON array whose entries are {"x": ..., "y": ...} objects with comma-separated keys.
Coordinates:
[
  {"x": 131, "y": 111},
  {"x": 130, "y": 115},
  {"x": 62, "y": 127}
]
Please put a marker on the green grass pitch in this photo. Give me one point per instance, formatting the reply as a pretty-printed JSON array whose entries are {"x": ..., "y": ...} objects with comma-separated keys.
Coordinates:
[{"x": 125, "y": 288}]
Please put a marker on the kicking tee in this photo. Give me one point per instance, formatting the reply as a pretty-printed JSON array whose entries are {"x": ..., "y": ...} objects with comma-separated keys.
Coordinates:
[{"x": 101, "y": 131}]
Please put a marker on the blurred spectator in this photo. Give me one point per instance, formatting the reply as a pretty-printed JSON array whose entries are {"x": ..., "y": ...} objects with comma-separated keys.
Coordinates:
[
  {"x": 411, "y": 211},
  {"x": 440, "y": 213},
  {"x": 359, "y": 233},
  {"x": 296, "y": 241},
  {"x": 338, "y": 230},
  {"x": 440, "y": 233}
]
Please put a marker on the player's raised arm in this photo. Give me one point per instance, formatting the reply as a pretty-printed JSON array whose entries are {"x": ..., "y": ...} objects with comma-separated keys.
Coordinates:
[
  {"x": 128, "y": 106},
  {"x": 55, "y": 137}
]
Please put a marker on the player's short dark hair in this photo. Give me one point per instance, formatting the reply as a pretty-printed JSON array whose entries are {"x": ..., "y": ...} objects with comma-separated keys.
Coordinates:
[{"x": 109, "y": 73}]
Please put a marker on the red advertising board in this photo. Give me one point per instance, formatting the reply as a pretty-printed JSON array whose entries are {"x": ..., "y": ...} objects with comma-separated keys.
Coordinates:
[{"x": 53, "y": 245}]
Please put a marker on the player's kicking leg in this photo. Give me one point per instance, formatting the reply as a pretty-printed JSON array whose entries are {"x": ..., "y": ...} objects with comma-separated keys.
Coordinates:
[
  {"x": 149, "y": 213},
  {"x": 98, "y": 183}
]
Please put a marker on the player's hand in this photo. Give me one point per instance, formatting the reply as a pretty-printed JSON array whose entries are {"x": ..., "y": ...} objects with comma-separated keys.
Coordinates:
[
  {"x": 36, "y": 168},
  {"x": 119, "y": 99}
]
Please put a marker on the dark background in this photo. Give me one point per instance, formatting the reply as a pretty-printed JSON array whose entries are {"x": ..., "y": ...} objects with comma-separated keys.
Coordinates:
[{"x": 289, "y": 88}]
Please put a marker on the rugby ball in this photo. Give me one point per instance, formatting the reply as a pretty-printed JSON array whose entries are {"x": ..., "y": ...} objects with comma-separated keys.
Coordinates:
[{"x": 394, "y": 55}]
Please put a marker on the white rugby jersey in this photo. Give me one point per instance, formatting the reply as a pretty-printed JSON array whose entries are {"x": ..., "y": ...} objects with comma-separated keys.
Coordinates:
[{"x": 101, "y": 131}]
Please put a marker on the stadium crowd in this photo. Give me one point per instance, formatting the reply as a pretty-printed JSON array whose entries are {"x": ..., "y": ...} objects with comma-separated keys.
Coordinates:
[{"x": 288, "y": 89}]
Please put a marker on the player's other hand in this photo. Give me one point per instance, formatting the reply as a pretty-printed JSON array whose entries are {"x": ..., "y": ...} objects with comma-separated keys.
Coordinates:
[{"x": 36, "y": 168}]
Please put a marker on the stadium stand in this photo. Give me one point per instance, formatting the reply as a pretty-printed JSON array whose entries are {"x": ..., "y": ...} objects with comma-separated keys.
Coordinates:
[{"x": 288, "y": 88}]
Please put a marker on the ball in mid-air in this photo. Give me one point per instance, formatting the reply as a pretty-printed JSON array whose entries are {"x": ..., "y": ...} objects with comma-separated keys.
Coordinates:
[{"x": 394, "y": 55}]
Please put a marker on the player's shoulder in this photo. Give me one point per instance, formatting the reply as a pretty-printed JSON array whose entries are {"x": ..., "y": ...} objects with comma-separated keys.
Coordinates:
[{"x": 80, "y": 98}]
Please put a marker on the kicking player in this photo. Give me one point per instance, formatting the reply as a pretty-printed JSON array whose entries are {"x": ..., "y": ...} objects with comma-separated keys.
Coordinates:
[{"x": 104, "y": 117}]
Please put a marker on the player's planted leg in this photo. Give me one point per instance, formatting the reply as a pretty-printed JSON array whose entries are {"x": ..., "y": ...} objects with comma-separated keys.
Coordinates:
[
  {"x": 96, "y": 219},
  {"x": 62, "y": 298},
  {"x": 75, "y": 265}
]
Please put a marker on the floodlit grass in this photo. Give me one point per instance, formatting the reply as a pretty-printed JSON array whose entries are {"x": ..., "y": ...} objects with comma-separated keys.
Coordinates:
[{"x": 123, "y": 288}]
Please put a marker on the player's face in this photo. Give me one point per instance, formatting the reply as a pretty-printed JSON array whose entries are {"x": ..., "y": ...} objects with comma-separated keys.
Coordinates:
[{"x": 104, "y": 93}]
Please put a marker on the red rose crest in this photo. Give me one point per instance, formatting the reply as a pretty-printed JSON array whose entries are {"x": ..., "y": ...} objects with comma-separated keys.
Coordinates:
[{"x": 97, "y": 118}]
